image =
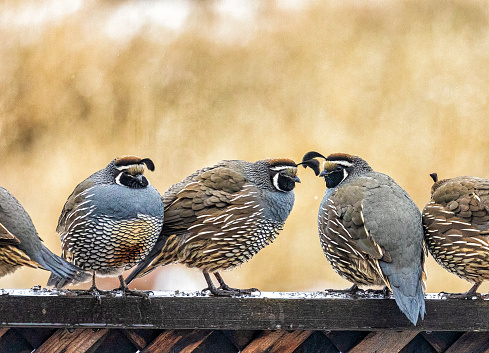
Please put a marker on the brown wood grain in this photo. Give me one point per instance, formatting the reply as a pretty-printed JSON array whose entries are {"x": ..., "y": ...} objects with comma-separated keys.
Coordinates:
[
  {"x": 78, "y": 341},
  {"x": 193, "y": 340},
  {"x": 277, "y": 342},
  {"x": 163, "y": 343},
  {"x": 136, "y": 339},
  {"x": 384, "y": 342},
  {"x": 440, "y": 341},
  {"x": 264, "y": 342},
  {"x": 471, "y": 342}
]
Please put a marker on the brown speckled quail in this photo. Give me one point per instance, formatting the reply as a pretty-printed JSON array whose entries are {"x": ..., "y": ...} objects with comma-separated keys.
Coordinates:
[
  {"x": 370, "y": 230},
  {"x": 111, "y": 220},
  {"x": 219, "y": 217},
  {"x": 456, "y": 223},
  {"x": 21, "y": 246}
]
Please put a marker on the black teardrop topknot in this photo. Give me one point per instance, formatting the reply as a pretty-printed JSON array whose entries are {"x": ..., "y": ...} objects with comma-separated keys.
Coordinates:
[
  {"x": 149, "y": 164},
  {"x": 309, "y": 160}
]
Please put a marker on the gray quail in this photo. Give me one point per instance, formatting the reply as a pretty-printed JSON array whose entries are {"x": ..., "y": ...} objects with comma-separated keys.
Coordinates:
[
  {"x": 370, "y": 230},
  {"x": 219, "y": 217},
  {"x": 111, "y": 220},
  {"x": 456, "y": 222},
  {"x": 20, "y": 244}
]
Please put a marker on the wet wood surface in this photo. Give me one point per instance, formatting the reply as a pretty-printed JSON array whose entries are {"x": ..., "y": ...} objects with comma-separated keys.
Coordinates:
[{"x": 266, "y": 311}]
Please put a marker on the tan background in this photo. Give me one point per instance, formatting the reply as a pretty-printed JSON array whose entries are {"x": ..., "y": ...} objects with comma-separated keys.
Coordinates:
[{"x": 404, "y": 84}]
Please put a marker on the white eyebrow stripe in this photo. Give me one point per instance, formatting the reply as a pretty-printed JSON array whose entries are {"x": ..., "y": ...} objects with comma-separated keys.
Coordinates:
[
  {"x": 281, "y": 167},
  {"x": 343, "y": 163},
  {"x": 128, "y": 166}
]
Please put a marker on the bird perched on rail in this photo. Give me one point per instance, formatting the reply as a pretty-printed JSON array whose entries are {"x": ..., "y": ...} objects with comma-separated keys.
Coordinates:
[
  {"x": 20, "y": 245},
  {"x": 456, "y": 222},
  {"x": 370, "y": 230},
  {"x": 219, "y": 217},
  {"x": 111, "y": 220}
]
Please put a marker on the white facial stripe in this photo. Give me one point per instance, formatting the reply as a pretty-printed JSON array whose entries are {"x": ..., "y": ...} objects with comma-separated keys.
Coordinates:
[
  {"x": 279, "y": 168},
  {"x": 343, "y": 163},
  {"x": 345, "y": 174},
  {"x": 275, "y": 182},
  {"x": 125, "y": 167},
  {"x": 118, "y": 179}
]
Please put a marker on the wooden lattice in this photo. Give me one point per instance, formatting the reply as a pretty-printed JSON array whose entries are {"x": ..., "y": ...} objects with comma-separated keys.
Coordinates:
[{"x": 43, "y": 321}]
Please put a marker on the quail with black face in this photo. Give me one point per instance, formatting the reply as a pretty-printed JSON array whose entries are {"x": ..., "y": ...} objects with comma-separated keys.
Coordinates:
[
  {"x": 370, "y": 230},
  {"x": 456, "y": 222},
  {"x": 219, "y": 217},
  {"x": 111, "y": 220},
  {"x": 20, "y": 245}
]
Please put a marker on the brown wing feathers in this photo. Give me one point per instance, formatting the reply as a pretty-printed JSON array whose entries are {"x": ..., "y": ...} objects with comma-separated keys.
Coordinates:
[
  {"x": 456, "y": 221},
  {"x": 203, "y": 207}
]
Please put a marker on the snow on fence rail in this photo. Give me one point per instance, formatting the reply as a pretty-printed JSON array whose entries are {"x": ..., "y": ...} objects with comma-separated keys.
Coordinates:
[{"x": 64, "y": 321}]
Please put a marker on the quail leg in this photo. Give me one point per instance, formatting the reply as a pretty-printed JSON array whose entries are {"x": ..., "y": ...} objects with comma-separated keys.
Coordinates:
[
  {"x": 212, "y": 288},
  {"x": 126, "y": 291},
  {"x": 472, "y": 292},
  {"x": 94, "y": 291},
  {"x": 384, "y": 292},
  {"x": 353, "y": 290},
  {"x": 224, "y": 290},
  {"x": 224, "y": 286}
]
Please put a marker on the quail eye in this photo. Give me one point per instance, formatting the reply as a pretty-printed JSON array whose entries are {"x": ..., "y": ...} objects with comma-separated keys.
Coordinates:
[{"x": 338, "y": 168}]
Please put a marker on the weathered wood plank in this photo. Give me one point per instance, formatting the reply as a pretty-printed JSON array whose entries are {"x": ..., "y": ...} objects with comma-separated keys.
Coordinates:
[
  {"x": 270, "y": 311},
  {"x": 475, "y": 342},
  {"x": 240, "y": 339},
  {"x": 345, "y": 340},
  {"x": 136, "y": 339},
  {"x": 164, "y": 343},
  {"x": 78, "y": 341},
  {"x": 384, "y": 342},
  {"x": 277, "y": 342},
  {"x": 264, "y": 342},
  {"x": 192, "y": 341},
  {"x": 440, "y": 341}
]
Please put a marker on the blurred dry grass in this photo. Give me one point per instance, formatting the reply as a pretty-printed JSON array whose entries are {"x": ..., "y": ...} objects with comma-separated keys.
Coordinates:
[{"x": 404, "y": 84}]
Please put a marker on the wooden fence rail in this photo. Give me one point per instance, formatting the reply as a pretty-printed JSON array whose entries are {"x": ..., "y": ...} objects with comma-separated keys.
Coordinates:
[{"x": 51, "y": 321}]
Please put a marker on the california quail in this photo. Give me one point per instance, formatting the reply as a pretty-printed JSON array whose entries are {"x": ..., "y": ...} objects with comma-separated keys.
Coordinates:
[
  {"x": 21, "y": 246},
  {"x": 111, "y": 220},
  {"x": 370, "y": 230},
  {"x": 456, "y": 223},
  {"x": 219, "y": 217}
]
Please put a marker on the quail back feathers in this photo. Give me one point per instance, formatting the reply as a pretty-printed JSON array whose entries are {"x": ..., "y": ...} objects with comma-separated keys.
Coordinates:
[
  {"x": 370, "y": 230},
  {"x": 220, "y": 216},
  {"x": 112, "y": 219},
  {"x": 456, "y": 222},
  {"x": 20, "y": 244}
]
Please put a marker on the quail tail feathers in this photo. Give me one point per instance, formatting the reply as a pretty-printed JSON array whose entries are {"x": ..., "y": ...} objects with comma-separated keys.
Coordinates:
[
  {"x": 62, "y": 272},
  {"x": 407, "y": 287}
]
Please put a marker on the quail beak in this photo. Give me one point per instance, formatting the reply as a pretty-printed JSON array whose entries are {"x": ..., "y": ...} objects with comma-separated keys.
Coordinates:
[
  {"x": 296, "y": 179},
  {"x": 139, "y": 178},
  {"x": 323, "y": 173}
]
